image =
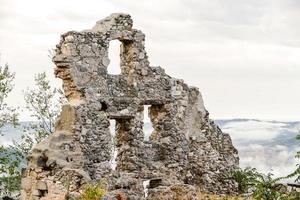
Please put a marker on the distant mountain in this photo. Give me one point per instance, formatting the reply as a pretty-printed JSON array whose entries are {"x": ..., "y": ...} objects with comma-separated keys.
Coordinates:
[{"x": 269, "y": 146}]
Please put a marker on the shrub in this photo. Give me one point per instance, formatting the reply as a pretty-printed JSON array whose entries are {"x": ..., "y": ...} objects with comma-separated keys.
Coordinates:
[
  {"x": 244, "y": 177},
  {"x": 267, "y": 188},
  {"x": 92, "y": 192},
  {"x": 263, "y": 187},
  {"x": 296, "y": 173},
  {"x": 10, "y": 177}
]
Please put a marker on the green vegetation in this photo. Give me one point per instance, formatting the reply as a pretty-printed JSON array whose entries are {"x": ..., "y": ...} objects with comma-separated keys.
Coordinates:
[
  {"x": 9, "y": 161},
  {"x": 244, "y": 178},
  {"x": 261, "y": 186},
  {"x": 8, "y": 115},
  {"x": 265, "y": 187},
  {"x": 296, "y": 173},
  {"x": 90, "y": 192},
  {"x": 93, "y": 192},
  {"x": 44, "y": 103},
  {"x": 10, "y": 178}
]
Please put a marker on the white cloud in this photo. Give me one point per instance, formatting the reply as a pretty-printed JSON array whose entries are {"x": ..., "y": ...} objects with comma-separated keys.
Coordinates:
[
  {"x": 268, "y": 146},
  {"x": 277, "y": 160},
  {"x": 255, "y": 130}
]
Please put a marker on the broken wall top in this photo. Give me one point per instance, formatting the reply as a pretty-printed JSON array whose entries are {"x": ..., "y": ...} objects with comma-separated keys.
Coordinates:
[{"x": 85, "y": 54}]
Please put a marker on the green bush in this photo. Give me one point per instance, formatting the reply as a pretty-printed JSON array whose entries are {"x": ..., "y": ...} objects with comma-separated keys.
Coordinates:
[
  {"x": 263, "y": 187},
  {"x": 91, "y": 192},
  {"x": 296, "y": 173},
  {"x": 244, "y": 177},
  {"x": 10, "y": 177},
  {"x": 267, "y": 188}
]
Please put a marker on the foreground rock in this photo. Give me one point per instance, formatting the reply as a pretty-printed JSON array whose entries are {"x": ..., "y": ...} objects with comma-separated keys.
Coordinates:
[{"x": 186, "y": 151}]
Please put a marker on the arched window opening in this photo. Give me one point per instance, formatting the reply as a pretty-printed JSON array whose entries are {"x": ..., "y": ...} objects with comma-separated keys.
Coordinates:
[{"x": 114, "y": 67}]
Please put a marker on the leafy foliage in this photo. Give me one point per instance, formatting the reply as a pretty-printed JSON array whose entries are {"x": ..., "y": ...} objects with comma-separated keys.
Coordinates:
[
  {"x": 91, "y": 192},
  {"x": 262, "y": 187},
  {"x": 244, "y": 178},
  {"x": 296, "y": 173},
  {"x": 8, "y": 115},
  {"x": 9, "y": 160},
  {"x": 10, "y": 178},
  {"x": 267, "y": 188},
  {"x": 44, "y": 102}
]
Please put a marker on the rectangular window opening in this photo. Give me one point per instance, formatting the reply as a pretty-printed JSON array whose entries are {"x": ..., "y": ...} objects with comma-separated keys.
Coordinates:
[
  {"x": 112, "y": 129},
  {"x": 147, "y": 126}
]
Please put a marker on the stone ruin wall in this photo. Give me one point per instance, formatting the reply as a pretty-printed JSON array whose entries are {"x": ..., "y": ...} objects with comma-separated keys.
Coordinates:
[{"x": 185, "y": 149}]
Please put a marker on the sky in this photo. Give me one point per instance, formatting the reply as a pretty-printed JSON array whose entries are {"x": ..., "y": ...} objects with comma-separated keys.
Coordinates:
[{"x": 243, "y": 55}]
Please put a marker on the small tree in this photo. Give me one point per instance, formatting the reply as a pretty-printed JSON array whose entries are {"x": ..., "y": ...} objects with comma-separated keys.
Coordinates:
[
  {"x": 44, "y": 102},
  {"x": 9, "y": 160},
  {"x": 8, "y": 114}
]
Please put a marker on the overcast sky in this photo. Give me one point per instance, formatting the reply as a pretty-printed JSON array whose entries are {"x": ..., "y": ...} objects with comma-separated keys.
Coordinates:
[{"x": 243, "y": 55}]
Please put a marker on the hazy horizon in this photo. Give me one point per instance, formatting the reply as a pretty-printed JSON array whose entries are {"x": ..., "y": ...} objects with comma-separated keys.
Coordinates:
[{"x": 267, "y": 146}]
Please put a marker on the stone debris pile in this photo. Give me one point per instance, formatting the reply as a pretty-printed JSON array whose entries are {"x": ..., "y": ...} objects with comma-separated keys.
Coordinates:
[{"x": 186, "y": 151}]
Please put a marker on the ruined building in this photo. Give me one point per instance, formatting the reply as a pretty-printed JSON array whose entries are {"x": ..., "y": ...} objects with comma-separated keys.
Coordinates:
[{"x": 185, "y": 150}]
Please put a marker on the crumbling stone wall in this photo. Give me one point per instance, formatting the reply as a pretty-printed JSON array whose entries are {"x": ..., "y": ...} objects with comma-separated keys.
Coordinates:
[{"x": 186, "y": 148}]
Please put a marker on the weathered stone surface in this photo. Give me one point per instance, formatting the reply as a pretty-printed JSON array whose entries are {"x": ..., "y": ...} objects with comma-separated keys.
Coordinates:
[
  {"x": 175, "y": 192},
  {"x": 26, "y": 183},
  {"x": 186, "y": 151},
  {"x": 41, "y": 185}
]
